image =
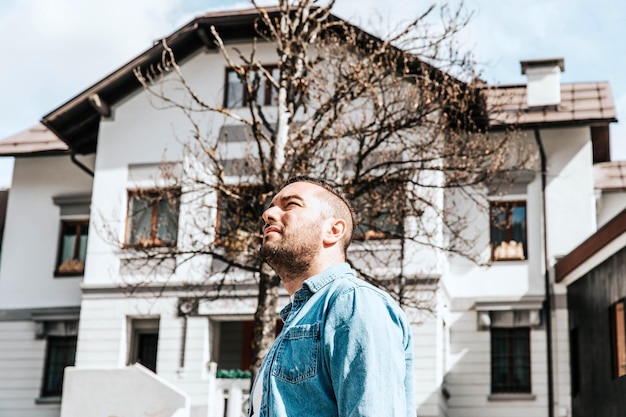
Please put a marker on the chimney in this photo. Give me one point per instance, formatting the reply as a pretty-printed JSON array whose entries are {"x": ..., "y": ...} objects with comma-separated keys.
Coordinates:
[{"x": 543, "y": 87}]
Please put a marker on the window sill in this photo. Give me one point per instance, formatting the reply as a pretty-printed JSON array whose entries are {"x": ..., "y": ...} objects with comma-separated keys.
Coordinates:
[
  {"x": 512, "y": 397},
  {"x": 504, "y": 261},
  {"x": 69, "y": 274},
  {"x": 131, "y": 251},
  {"x": 149, "y": 246},
  {"x": 47, "y": 400}
]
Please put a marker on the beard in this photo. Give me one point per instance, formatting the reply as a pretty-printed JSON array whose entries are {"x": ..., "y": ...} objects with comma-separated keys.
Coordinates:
[{"x": 293, "y": 254}]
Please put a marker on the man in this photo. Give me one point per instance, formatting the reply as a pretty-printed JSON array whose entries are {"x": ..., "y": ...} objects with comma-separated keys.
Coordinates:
[{"x": 345, "y": 348}]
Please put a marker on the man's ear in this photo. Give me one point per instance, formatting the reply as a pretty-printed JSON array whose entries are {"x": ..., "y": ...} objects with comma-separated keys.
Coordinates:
[{"x": 335, "y": 231}]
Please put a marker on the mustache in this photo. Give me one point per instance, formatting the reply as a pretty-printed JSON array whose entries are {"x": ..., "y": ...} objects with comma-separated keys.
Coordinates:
[{"x": 277, "y": 226}]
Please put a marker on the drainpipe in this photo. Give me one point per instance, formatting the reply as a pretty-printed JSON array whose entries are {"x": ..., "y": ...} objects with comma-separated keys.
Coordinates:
[
  {"x": 547, "y": 302},
  {"x": 80, "y": 164}
]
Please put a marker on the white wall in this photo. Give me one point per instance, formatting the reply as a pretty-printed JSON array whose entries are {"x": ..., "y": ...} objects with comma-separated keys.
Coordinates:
[
  {"x": 467, "y": 282},
  {"x": 31, "y": 234},
  {"x": 21, "y": 371},
  {"x": 570, "y": 197},
  {"x": 610, "y": 204}
]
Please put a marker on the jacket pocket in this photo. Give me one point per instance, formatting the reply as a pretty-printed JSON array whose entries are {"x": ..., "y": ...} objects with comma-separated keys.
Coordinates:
[{"x": 296, "y": 358}]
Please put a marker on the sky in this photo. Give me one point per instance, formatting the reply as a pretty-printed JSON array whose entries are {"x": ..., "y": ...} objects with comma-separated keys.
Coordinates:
[{"x": 51, "y": 50}]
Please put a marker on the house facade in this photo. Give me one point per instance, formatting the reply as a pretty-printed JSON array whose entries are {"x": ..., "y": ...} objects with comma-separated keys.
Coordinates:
[{"x": 84, "y": 190}]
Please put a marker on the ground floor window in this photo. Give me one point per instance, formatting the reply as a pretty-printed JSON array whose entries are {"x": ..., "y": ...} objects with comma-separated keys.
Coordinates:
[
  {"x": 61, "y": 340},
  {"x": 510, "y": 360},
  {"x": 144, "y": 340},
  {"x": 232, "y": 345}
]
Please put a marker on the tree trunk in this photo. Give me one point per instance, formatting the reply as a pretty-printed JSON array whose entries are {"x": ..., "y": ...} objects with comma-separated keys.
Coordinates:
[{"x": 265, "y": 317}]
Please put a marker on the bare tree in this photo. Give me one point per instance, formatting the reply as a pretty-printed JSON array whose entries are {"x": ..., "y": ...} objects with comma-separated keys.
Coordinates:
[{"x": 400, "y": 124}]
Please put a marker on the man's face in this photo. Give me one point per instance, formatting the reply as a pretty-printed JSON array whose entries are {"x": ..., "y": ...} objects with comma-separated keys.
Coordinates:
[{"x": 292, "y": 236}]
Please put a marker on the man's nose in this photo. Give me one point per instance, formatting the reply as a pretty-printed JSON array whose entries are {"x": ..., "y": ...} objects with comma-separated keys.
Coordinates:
[{"x": 270, "y": 215}]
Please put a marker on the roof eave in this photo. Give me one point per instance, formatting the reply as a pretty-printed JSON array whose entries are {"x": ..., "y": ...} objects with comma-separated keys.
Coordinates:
[
  {"x": 552, "y": 125},
  {"x": 610, "y": 231},
  {"x": 35, "y": 154}
]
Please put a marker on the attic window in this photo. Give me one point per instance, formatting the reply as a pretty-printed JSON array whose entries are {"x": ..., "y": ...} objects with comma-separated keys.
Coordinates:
[
  {"x": 237, "y": 95},
  {"x": 381, "y": 213}
]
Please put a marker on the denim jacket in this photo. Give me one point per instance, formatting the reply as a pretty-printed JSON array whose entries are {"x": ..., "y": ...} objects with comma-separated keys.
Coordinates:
[{"x": 345, "y": 350}]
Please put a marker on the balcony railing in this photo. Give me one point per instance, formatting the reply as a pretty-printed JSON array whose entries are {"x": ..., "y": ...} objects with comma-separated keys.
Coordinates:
[{"x": 228, "y": 397}]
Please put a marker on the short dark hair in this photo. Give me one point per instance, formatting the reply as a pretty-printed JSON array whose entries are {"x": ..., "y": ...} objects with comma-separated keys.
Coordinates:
[{"x": 341, "y": 204}]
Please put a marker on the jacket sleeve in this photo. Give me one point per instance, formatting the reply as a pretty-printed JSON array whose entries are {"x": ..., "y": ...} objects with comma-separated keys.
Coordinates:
[{"x": 368, "y": 348}]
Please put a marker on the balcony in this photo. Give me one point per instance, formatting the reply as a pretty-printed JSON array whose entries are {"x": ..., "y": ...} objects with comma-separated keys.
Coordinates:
[{"x": 228, "y": 397}]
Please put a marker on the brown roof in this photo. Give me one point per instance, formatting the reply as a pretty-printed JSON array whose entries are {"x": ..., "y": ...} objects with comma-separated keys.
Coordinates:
[
  {"x": 610, "y": 176},
  {"x": 36, "y": 140},
  {"x": 587, "y": 103}
]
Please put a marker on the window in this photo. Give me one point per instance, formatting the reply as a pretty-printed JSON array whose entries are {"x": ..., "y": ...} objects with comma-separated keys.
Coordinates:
[
  {"x": 510, "y": 346},
  {"x": 381, "y": 213},
  {"x": 239, "y": 217},
  {"x": 618, "y": 339},
  {"x": 237, "y": 94},
  {"x": 510, "y": 360},
  {"x": 233, "y": 344},
  {"x": 60, "y": 353},
  {"x": 153, "y": 218},
  {"x": 508, "y": 230},
  {"x": 72, "y": 247},
  {"x": 144, "y": 340}
]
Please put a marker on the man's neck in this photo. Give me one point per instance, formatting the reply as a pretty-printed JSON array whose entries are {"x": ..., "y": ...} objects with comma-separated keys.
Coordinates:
[{"x": 293, "y": 281}]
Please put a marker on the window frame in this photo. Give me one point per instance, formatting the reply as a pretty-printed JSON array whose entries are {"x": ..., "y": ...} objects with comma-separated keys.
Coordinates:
[
  {"x": 618, "y": 338},
  {"x": 220, "y": 235},
  {"x": 373, "y": 232},
  {"x": 244, "y": 342},
  {"x": 140, "y": 327},
  {"x": 510, "y": 357},
  {"x": 79, "y": 223},
  {"x": 71, "y": 341},
  {"x": 270, "y": 95},
  {"x": 154, "y": 241},
  {"x": 509, "y": 206}
]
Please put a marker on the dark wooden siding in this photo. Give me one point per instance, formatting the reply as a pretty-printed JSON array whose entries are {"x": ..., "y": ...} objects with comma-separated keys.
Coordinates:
[{"x": 589, "y": 301}]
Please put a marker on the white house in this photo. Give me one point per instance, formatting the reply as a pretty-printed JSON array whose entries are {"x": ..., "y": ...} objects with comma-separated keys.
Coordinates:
[{"x": 496, "y": 345}]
